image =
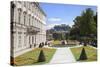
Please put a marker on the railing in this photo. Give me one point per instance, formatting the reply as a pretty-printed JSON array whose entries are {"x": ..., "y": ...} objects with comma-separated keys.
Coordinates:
[{"x": 31, "y": 30}]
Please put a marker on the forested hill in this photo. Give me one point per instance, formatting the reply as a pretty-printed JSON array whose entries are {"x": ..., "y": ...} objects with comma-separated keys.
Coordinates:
[{"x": 60, "y": 28}]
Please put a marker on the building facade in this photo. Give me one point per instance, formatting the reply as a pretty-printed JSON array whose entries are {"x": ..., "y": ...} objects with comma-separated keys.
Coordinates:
[{"x": 28, "y": 26}]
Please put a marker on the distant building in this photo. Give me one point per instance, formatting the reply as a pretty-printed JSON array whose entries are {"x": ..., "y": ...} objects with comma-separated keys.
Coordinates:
[{"x": 28, "y": 26}]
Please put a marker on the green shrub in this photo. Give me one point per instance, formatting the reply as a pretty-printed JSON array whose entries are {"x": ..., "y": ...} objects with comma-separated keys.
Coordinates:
[
  {"x": 83, "y": 55},
  {"x": 41, "y": 57}
]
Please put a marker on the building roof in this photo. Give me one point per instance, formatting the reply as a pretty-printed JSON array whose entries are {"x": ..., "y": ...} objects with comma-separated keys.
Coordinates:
[{"x": 37, "y": 4}]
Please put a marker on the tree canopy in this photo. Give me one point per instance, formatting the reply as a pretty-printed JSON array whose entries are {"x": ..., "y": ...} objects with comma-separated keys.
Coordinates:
[{"x": 86, "y": 24}]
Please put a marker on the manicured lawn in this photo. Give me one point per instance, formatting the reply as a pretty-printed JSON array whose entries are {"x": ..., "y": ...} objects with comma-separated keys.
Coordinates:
[
  {"x": 90, "y": 52},
  {"x": 56, "y": 42},
  {"x": 32, "y": 56}
]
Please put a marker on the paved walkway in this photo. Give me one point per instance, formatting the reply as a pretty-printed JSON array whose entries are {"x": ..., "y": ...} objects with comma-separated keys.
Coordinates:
[{"x": 62, "y": 55}]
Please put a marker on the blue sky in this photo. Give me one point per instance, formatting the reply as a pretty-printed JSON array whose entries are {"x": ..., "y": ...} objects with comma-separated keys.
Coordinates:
[{"x": 62, "y": 13}]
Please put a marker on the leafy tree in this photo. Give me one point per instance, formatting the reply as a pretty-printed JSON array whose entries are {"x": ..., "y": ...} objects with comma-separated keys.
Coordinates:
[
  {"x": 95, "y": 19},
  {"x": 85, "y": 25}
]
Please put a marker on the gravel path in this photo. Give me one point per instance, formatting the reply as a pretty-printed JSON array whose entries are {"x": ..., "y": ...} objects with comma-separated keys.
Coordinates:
[{"x": 63, "y": 55}]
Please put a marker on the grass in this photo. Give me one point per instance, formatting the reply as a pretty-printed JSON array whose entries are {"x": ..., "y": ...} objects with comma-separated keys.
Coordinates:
[
  {"x": 56, "y": 42},
  {"x": 31, "y": 57},
  {"x": 90, "y": 52}
]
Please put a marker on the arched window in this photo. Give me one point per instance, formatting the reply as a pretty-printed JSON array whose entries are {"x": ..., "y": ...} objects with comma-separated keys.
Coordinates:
[
  {"x": 19, "y": 15},
  {"x": 12, "y": 10},
  {"x": 24, "y": 13}
]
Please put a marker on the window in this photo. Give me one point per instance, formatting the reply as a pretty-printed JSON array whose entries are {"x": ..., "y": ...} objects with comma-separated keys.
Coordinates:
[
  {"x": 24, "y": 40},
  {"x": 32, "y": 21},
  {"x": 19, "y": 1},
  {"x": 29, "y": 40},
  {"x": 13, "y": 41},
  {"x": 39, "y": 24},
  {"x": 24, "y": 4},
  {"x": 19, "y": 15},
  {"x": 12, "y": 11},
  {"x": 29, "y": 19},
  {"x": 24, "y": 17},
  {"x": 36, "y": 22},
  {"x": 29, "y": 6},
  {"x": 33, "y": 8},
  {"x": 19, "y": 39},
  {"x": 32, "y": 40}
]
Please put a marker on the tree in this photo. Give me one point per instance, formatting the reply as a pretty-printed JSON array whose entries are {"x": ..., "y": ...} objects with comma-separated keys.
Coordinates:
[
  {"x": 85, "y": 25},
  {"x": 95, "y": 19},
  {"x": 41, "y": 57},
  {"x": 56, "y": 36},
  {"x": 83, "y": 55}
]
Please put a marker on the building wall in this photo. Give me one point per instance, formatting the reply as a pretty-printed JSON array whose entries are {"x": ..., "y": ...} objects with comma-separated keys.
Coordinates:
[{"x": 27, "y": 14}]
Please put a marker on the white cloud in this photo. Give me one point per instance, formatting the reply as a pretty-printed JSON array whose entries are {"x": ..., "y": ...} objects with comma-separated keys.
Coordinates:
[
  {"x": 71, "y": 23},
  {"x": 51, "y": 25},
  {"x": 54, "y": 19}
]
